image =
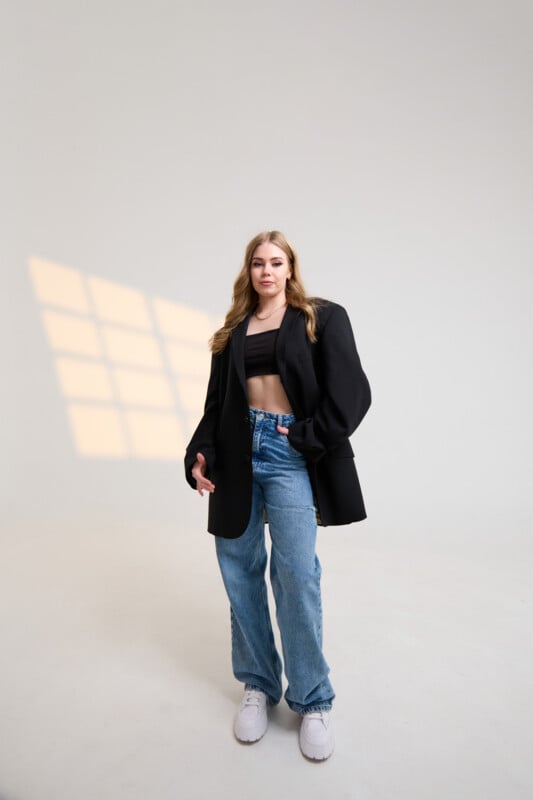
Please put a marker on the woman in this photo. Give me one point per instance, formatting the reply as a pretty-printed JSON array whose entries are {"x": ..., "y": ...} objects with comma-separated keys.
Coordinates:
[{"x": 286, "y": 390}]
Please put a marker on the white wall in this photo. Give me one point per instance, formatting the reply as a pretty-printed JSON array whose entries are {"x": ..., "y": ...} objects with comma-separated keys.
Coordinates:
[{"x": 145, "y": 143}]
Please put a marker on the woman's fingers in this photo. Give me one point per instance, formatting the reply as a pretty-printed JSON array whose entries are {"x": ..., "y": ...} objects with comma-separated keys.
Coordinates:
[
  {"x": 203, "y": 484},
  {"x": 281, "y": 429}
]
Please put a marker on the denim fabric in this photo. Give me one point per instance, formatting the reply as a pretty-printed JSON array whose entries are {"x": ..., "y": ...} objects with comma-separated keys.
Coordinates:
[{"x": 282, "y": 491}]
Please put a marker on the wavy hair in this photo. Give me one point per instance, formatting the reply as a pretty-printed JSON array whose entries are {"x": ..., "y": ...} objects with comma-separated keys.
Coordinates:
[{"x": 245, "y": 298}]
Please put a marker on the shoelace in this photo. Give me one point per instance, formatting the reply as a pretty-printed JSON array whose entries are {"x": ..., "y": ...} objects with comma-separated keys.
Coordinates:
[
  {"x": 320, "y": 716},
  {"x": 251, "y": 699}
]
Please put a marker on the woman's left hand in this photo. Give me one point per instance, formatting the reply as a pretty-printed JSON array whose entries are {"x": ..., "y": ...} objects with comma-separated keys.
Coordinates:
[{"x": 281, "y": 429}]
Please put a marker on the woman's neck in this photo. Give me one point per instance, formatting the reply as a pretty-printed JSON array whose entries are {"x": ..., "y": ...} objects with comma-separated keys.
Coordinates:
[{"x": 267, "y": 309}]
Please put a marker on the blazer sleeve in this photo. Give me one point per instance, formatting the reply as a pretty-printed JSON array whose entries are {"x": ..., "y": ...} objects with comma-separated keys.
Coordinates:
[
  {"x": 203, "y": 439},
  {"x": 345, "y": 391}
]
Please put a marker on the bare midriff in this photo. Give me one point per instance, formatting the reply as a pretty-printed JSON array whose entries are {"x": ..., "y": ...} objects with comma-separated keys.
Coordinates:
[{"x": 267, "y": 393}]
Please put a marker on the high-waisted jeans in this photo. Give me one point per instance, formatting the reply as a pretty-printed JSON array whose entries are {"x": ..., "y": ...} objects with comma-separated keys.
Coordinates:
[{"x": 281, "y": 492}]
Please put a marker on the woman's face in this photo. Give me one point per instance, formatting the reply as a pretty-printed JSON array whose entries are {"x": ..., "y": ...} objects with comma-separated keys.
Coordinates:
[{"x": 269, "y": 271}]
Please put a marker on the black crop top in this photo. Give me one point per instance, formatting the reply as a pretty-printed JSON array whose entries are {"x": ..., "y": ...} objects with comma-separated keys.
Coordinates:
[{"x": 260, "y": 354}]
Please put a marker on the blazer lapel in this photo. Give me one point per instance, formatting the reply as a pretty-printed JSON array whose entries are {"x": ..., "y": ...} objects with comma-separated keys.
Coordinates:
[
  {"x": 284, "y": 337},
  {"x": 237, "y": 350}
]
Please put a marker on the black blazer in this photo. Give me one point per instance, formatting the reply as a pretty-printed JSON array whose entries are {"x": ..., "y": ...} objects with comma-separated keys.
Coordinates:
[{"x": 329, "y": 394}]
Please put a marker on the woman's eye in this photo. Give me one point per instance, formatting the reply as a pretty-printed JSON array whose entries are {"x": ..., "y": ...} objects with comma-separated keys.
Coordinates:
[{"x": 277, "y": 264}]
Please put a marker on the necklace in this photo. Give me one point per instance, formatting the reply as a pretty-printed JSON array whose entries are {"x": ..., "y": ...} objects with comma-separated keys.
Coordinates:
[{"x": 266, "y": 316}]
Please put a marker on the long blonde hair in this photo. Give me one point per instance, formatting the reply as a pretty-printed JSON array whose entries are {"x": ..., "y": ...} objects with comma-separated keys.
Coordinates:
[{"x": 245, "y": 298}]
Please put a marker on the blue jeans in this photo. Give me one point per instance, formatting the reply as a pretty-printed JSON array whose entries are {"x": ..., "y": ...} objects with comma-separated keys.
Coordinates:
[{"x": 281, "y": 492}]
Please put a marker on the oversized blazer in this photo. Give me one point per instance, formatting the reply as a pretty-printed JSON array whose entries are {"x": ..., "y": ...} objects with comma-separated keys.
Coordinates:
[{"x": 329, "y": 394}]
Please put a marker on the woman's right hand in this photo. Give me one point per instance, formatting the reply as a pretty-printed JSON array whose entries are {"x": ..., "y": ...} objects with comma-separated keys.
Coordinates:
[{"x": 198, "y": 472}]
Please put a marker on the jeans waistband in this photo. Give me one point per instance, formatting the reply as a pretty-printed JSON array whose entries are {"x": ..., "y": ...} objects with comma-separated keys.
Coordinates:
[{"x": 280, "y": 419}]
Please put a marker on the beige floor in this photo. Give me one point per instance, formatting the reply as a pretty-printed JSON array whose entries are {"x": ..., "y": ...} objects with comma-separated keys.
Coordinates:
[{"x": 115, "y": 681}]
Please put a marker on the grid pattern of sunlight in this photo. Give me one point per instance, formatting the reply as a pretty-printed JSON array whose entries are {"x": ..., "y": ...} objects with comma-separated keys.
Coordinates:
[{"x": 132, "y": 369}]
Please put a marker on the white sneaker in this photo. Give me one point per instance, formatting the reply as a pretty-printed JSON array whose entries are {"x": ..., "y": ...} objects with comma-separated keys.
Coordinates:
[
  {"x": 251, "y": 720},
  {"x": 316, "y": 735}
]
